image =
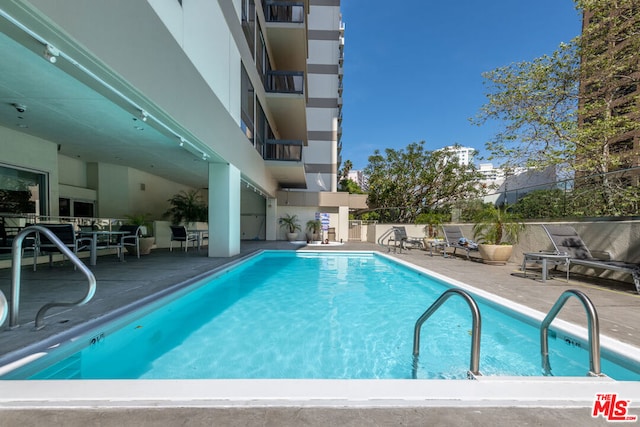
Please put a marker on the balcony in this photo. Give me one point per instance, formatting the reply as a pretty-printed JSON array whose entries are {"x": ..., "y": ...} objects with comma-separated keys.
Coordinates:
[
  {"x": 283, "y": 150},
  {"x": 284, "y": 82},
  {"x": 284, "y": 11},
  {"x": 287, "y": 103},
  {"x": 283, "y": 159},
  {"x": 287, "y": 33}
]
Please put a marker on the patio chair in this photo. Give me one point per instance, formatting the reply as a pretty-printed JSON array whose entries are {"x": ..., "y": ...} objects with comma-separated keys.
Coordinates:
[
  {"x": 6, "y": 241},
  {"x": 565, "y": 239},
  {"x": 132, "y": 239},
  {"x": 456, "y": 240},
  {"x": 179, "y": 234},
  {"x": 401, "y": 240},
  {"x": 67, "y": 235}
]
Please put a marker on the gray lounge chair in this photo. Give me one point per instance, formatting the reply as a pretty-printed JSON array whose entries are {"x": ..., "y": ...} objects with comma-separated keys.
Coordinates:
[
  {"x": 401, "y": 239},
  {"x": 453, "y": 235},
  {"x": 566, "y": 239}
]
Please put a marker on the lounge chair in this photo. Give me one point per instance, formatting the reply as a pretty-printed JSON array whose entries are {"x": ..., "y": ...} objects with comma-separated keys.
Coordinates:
[
  {"x": 67, "y": 235},
  {"x": 401, "y": 240},
  {"x": 456, "y": 240},
  {"x": 132, "y": 239},
  {"x": 566, "y": 239},
  {"x": 180, "y": 234}
]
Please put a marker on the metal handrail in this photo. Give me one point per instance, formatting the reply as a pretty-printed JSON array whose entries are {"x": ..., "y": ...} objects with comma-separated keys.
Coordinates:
[
  {"x": 474, "y": 364},
  {"x": 4, "y": 308},
  {"x": 593, "y": 328},
  {"x": 15, "y": 275},
  {"x": 384, "y": 236}
]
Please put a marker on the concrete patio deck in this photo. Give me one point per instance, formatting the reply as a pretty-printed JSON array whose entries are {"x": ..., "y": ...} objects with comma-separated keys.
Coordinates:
[{"x": 120, "y": 284}]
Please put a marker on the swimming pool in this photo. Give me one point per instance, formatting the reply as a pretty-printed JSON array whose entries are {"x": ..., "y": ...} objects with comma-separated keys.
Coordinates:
[{"x": 290, "y": 315}]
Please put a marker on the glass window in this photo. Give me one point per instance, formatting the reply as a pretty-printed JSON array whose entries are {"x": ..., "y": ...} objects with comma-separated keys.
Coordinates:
[
  {"x": 23, "y": 191},
  {"x": 83, "y": 209},
  {"x": 261, "y": 57},
  {"x": 247, "y": 113},
  {"x": 249, "y": 23}
]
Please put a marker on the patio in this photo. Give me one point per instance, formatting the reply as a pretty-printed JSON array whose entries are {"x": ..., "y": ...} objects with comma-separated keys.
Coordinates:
[{"x": 119, "y": 284}]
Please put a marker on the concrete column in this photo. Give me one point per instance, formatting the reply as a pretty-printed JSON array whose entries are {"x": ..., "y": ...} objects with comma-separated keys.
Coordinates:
[
  {"x": 271, "y": 220},
  {"x": 224, "y": 210},
  {"x": 343, "y": 224}
]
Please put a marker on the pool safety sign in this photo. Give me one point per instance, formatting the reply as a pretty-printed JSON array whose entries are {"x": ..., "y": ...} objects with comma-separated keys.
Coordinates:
[{"x": 324, "y": 220}]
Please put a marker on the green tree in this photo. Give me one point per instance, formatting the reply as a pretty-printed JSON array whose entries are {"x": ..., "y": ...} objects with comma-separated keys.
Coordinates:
[
  {"x": 536, "y": 102},
  {"x": 404, "y": 183},
  {"x": 350, "y": 186},
  {"x": 609, "y": 48},
  {"x": 573, "y": 108},
  {"x": 541, "y": 204},
  {"x": 187, "y": 206}
]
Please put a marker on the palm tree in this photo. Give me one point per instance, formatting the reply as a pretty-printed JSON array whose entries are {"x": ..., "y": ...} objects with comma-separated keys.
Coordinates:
[
  {"x": 187, "y": 206},
  {"x": 495, "y": 226}
]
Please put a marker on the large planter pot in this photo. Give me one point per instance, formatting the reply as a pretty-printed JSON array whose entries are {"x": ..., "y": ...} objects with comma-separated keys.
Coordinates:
[
  {"x": 495, "y": 254},
  {"x": 146, "y": 244}
]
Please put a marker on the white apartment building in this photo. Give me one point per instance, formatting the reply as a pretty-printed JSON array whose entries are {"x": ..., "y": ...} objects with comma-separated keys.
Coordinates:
[
  {"x": 464, "y": 154},
  {"x": 503, "y": 187},
  {"x": 110, "y": 108},
  {"x": 359, "y": 178}
]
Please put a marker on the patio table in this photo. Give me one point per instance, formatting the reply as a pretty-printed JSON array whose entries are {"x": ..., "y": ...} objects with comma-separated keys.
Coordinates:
[
  {"x": 544, "y": 258},
  {"x": 94, "y": 243}
]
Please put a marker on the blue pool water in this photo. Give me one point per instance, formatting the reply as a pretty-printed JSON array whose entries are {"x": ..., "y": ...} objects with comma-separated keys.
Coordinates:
[{"x": 315, "y": 315}]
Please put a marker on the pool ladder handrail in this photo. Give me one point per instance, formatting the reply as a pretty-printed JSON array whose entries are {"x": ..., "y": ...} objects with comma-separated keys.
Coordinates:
[
  {"x": 593, "y": 328},
  {"x": 474, "y": 364},
  {"x": 4, "y": 308},
  {"x": 16, "y": 270},
  {"x": 386, "y": 234}
]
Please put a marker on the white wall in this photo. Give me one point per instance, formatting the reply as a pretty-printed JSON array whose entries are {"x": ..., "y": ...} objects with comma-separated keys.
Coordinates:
[
  {"x": 21, "y": 150},
  {"x": 323, "y": 52}
]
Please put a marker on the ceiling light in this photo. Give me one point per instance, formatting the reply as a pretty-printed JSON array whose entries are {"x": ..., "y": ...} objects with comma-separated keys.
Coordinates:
[
  {"x": 182, "y": 142},
  {"x": 51, "y": 54},
  {"x": 143, "y": 115}
]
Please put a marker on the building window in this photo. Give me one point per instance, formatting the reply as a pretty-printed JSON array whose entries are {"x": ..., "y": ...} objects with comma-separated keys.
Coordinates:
[
  {"x": 249, "y": 23},
  {"x": 76, "y": 208},
  {"x": 247, "y": 113},
  {"x": 263, "y": 130},
  {"x": 22, "y": 191}
]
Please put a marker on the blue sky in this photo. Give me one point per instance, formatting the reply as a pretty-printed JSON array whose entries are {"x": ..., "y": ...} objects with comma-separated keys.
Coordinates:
[{"x": 412, "y": 68}]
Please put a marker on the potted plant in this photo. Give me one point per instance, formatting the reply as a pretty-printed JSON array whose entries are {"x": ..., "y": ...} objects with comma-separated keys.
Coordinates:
[
  {"x": 313, "y": 227},
  {"x": 187, "y": 207},
  {"x": 291, "y": 225},
  {"x": 496, "y": 230},
  {"x": 145, "y": 236},
  {"x": 432, "y": 220}
]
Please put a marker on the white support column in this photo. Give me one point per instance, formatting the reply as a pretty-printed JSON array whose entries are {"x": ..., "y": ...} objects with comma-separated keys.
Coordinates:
[
  {"x": 343, "y": 224},
  {"x": 271, "y": 222},
  {"x": 224, "y": 210}
]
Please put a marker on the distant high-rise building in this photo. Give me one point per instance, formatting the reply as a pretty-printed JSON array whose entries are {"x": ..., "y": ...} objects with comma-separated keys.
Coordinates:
[
  {"x": 359, "y": 178},
  {"x": 464, "y": 154},
  {"x": 610, "y": 77}
]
